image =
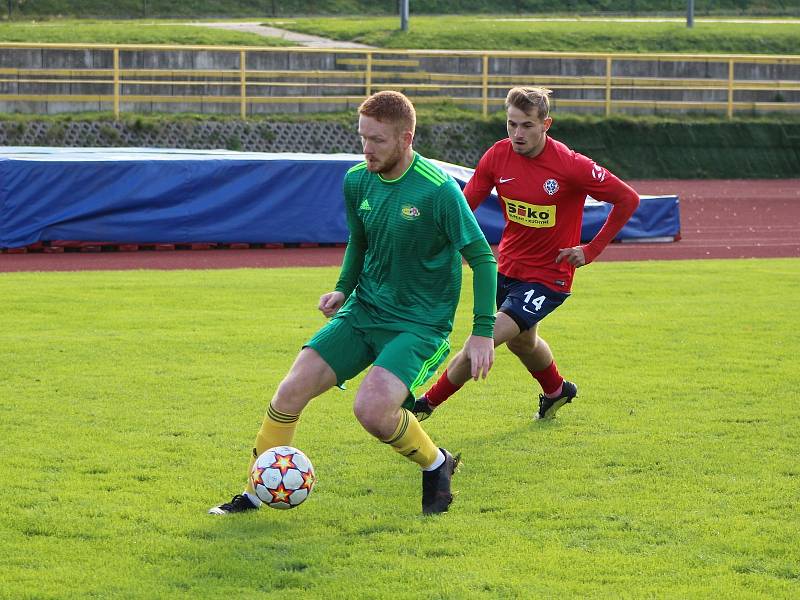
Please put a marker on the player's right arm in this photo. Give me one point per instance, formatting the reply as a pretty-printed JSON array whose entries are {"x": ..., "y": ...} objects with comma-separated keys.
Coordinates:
[
  {"x": 481, "y": 184},
  {"x": 354, "y": 254},
  {"x": 330, "y": 303}
]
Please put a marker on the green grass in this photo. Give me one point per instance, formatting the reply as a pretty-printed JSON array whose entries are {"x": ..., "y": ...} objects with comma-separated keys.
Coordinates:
[
  {"x": 73, "y": 31},
  {"x": 490, "y": 33},
  {"x": 228, "y": 8},
  {"x": 438, "y": 32},
  {"x": 129, "y": 400}
]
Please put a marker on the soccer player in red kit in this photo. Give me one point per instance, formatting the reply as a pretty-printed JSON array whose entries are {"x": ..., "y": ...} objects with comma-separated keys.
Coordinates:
[{"x": 542, "y": 185}]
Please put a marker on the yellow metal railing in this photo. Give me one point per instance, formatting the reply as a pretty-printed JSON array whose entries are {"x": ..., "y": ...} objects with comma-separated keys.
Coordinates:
[{"x": 333, "y": 78}]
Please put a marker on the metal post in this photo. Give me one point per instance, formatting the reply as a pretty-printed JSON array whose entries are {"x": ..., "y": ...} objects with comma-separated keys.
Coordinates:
[
  {"x": 116, "y": 84},
  {"x": 485, "y": 85},
  {"x": 690, "y": 14},
  {"x": 608, "y": 85},
  {"x": 243, "y": 84},
  {"x": 404, "y": 15},
  {"x": 368, "y": 74},
  {"x": 731, "y": 72}
]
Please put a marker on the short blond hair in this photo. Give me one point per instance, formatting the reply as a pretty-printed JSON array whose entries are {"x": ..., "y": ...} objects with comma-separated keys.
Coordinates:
[
  {"x": 390, "y": 107},
  {"x": 530, "y": 100}
]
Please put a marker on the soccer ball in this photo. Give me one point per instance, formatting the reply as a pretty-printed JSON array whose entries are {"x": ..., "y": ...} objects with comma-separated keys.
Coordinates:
[{"x": 283, "y": 477}]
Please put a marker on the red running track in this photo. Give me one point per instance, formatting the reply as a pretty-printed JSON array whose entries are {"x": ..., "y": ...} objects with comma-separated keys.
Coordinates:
[
  {"x": 719, "y": 219},
  {"x": 724, "y": 219}
]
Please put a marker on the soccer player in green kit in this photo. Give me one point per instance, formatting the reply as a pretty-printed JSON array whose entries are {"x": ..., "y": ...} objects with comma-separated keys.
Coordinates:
[{"x": 394, "y": 303}]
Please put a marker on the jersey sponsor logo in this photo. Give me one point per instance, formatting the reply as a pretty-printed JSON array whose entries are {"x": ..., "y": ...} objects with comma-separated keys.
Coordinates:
[
  {"x": 598, "y": 172},
  {"x": 550, "y": 186},
  {"x": 365, "y": 205},
  {"x": 409, "y": 212},
  {"x": 530, "y": 215},
  {"x": 506, "y": 179}
]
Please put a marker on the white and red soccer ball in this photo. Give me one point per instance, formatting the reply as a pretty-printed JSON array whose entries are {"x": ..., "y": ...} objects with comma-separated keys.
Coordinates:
[{"x": 283, "y": 477}]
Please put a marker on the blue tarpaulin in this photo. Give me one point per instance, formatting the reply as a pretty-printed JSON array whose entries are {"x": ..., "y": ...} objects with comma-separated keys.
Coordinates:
[{"x": 135, "y": 195}]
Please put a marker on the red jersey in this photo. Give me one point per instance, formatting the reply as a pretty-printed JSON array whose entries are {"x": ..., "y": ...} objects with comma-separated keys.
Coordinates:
[{"x": 542, "y": 200}]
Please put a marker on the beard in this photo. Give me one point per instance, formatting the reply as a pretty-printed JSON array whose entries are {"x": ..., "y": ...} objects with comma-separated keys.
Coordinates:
[{"x": 387, "y": 164}]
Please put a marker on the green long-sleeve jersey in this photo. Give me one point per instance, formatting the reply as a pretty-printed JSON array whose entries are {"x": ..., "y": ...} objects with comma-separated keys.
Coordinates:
[{"x": 403, "y": 259}]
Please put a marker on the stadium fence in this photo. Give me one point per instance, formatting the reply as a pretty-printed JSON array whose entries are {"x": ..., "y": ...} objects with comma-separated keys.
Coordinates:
[{"x": 57, "y": 78}]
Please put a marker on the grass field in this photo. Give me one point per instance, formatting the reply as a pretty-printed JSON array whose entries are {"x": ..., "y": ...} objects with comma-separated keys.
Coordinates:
[
  {"x": 441, "y": 32},
  {"x": 38, "y": 9},
  {"x": 91, "y": 31},
  {"x": 502, "y": 33},
  {"x": 129, "y": 401}
]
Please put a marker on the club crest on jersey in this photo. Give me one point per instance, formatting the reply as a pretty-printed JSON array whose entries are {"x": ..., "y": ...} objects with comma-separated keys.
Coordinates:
[
  {"x": 409, "y": 212},
  {"x": 598, "y": 172},
  {"x": 550, "y": 186}
]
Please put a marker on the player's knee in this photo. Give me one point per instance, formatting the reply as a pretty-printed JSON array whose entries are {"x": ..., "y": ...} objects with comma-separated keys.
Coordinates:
[
  {"x": 291, "y": 396},
  {"x": 370, "y": 416},
  {"x": 522, "y": 345}
]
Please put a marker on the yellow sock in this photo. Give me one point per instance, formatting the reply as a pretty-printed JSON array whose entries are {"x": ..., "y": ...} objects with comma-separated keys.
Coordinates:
[
  {"x": 277, "y": 429},
  {"x": 410, "y": 440}
]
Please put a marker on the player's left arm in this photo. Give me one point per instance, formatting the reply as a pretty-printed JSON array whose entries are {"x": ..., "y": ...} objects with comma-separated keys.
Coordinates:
[
  {"x": 458, "y": 223},
  {"x": 601, "y": 185},
  {"x": 480, "y": 345}
]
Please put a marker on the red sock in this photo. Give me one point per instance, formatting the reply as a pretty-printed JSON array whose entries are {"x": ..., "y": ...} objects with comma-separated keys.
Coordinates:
[
  {"x": 549, "y": 378},
  {"x": 441, "y": 390}
]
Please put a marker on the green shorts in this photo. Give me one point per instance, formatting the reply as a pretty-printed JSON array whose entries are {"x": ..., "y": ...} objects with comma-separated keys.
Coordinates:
[{"x": 352, "y": 341}]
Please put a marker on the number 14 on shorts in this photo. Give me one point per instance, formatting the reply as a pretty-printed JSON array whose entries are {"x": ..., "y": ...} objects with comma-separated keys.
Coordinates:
[{"x": 537, "y": 302}]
